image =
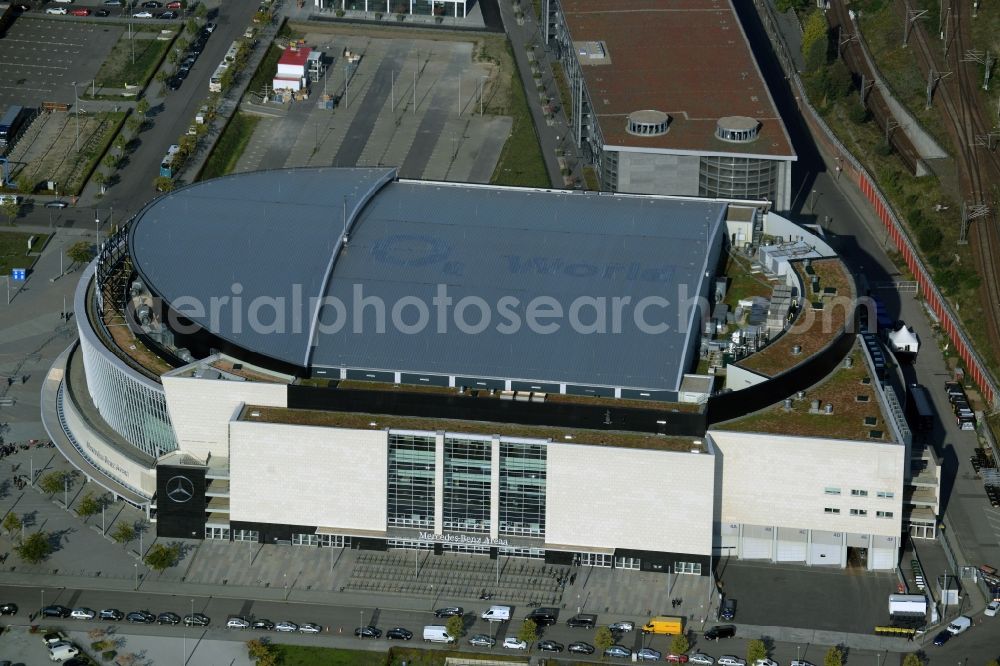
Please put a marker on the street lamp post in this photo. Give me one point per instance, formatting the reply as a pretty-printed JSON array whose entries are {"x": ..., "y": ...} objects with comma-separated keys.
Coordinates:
[
  {"x": 135, "y": 565},
  {"x": 76, "y": 109},
  {"x": 482, "y": 79}
]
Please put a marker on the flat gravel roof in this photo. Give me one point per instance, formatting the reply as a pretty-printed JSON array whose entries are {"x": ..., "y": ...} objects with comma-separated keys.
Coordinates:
[{"x": 429, "y": 252}]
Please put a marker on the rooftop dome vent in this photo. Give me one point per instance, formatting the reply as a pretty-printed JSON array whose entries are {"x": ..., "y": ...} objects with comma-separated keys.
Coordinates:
[
  {"x": 737, "y": 129},
  {"x": 648, "y": 123}
]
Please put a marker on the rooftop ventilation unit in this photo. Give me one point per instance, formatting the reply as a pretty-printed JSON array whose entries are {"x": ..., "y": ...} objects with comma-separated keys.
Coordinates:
[
  {"x": 648, "y": 122},
  {"x": 737, "y": 129}
]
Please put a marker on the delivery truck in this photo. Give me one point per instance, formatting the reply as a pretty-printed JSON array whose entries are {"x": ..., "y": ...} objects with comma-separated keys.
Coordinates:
[
  {"x": 496, "y": 614},
  {"x": 664, "y": 624},
  {"x": 437, "y": 634}
]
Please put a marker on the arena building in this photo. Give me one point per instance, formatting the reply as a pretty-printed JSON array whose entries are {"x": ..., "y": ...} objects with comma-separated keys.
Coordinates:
[
  {"x": 667, "y": 98},
  {"x": 340, "y": 358}
]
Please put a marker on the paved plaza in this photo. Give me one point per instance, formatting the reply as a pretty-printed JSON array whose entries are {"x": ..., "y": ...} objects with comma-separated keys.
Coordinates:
[{"x": 413, "y": 104}]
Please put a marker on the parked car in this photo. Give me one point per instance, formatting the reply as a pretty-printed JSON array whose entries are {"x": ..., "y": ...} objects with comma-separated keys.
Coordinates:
[
  {"x": 727, "y": 611},
  {"x": 167, "y": 15},
  {"x": 175, "y": 4},
  {"x": 57, "y": 204},
  {"x": 514, "y": 643},
  {"x": 449, "y": 611},
  {"x": 56, "y": 10},
  {"x": 286, "y": 626},
  {"x": 582, "y": 621},
  {"x": 174, "y": 82},
  {"x": 482, "y": 640},
  {"x": 368, "y": 632},
  {"x": 102, "y": 12},
  {"x": 80, "y": 11},
  {"x": 83, "y": 614},
  {"x": 143, "y": 15},
  {"x": 168, "y": 618},
  {"x": 152, "y": 4},
  {"x": 140, "y": 617},
  {"x": 765, "y": 662},
  {"x": 310, "y": 628},
  {"x": 992, "y": 609},
  {"x": 112, "y": 3},
  {"x": 237, "y": 623},
  {"x": 264, "y": 624},
  {"x": 730, "y": 660},
  {"x": 544, "y": 617},
  {"x": 703, "y": 659},
  {"x": 581, "y": 648},
  {"x": 677, "y": 658},
  {"x": 54, "y": 637},
  {"x": 550, "y": 646},
  {"x": 619, "y": 651},
  {"x": 112, "y": 614},
  {"x": 196, "y": 620},
  {"x": 55, "y": 611},
  {"x": 720, "y": 631},
  {"x": 942, "y": 637},
  {"x": 22, "y": 7},
  {"x": 400, "y": 634},
  {"x": 648, "y": 654},
  {"x": 209, "y": 28},
  {"x": 622, "y": 627},
  {"x": 8, "y": 609},
  {"x": 799, "y": 662},
  {"x": 65, "y": 2}
]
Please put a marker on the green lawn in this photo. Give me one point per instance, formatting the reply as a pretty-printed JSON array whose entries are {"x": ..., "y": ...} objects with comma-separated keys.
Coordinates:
[
  {"x": 521, "y": 161},
  {"x": 14, "y": 250},
  {"x": 118, "y": 69},
  {"x": 230, "y": 146},
  {"x": 300, "y": 655}
]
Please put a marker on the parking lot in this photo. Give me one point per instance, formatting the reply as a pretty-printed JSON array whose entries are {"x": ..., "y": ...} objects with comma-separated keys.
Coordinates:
[
  {"x": 431, "y": 131},
  {"x": 40, "y": 58},
  {"x": 848, "y": 600}
]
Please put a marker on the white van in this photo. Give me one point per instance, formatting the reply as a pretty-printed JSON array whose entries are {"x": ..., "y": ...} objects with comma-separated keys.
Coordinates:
[
  {"x": 496, "y": 614},
  {"x": 959, "y": 624},
  {"x": 63, "y": 651},
  {"x": 4, "y": 198},
  {"x": 437, "y": 634}
]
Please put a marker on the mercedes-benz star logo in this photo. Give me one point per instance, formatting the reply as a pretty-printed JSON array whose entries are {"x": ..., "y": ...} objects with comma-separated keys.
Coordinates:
[{"x": 180, "y": 489}]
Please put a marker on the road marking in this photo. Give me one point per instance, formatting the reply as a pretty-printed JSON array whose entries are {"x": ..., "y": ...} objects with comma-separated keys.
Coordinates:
[
  {"x": 36, "y": 42},
  {"x": 3, "y": 62},
  {"x": 19, "y": 88}
]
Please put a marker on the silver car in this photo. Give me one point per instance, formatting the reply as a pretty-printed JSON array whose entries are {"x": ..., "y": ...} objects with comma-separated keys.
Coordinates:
[
  {"x": 701, "y": 659},
  {"x": 237, "y": 623},
  {"x": 286, "y": 625},
  {"x": 648, "y": 654}
]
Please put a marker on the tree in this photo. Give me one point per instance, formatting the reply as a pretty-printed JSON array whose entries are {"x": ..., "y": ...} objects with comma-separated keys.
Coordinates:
[
  {"x": 993, "y": 662},
  {"x": 162, "y": 76},
  {"x": 121, "y": 143},
  {"x": 123, "y": 533},
  {"x": 182, "y": 44},
  {"x": 756, "y": 650},
  {"x": 680, "y": 644},
  {"x": 172, "y": 57},
  {"x": 25, "y": 185},
  {"x": 815, "y": 40},
  {"x": 914, "y": 660},
  {"x": 191, "y": 26},
  {"x": 159, "y": 558},
  {"x": 263, "y": 652},
  {"x": 528, "y": 632},
  {"x": 35, "y": 548},
  {"x": 9, "y": 207},
  {"x": 54, "y": 482},
  {"x": 80, "y": 252},
  {"x": 12, "y": 524},
  {"x": 163, "y": 184},
  {"x": 834, "y": 657},
  {"x": 133, "y": 124},
  {"x": 88, "y": 506},
  {"x": 100, "y": 180},
  {"x": 785, "y": 5},
  {"x": 111, "y": 161},
  {"x": 142, "y": 106},
  {"x": 201, "y": 11},
  {"x": 455, "y": 626},
  {"x": 603, "y": 639}
]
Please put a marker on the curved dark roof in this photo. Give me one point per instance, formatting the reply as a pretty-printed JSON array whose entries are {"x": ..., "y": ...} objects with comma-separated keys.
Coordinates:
[{"x": 257, "y": 260}]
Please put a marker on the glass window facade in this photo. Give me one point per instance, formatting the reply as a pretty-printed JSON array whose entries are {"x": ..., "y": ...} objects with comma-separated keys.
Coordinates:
[
  {"x": 522, "y": 489},
  {"x": 411, "y": 481},
  {"x": 467, "y": 485},
  {"x": 737, "y": 178}
]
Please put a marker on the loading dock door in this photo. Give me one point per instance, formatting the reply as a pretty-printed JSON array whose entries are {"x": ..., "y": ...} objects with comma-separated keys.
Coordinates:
[
  {"x": 757, "y": 542},
  {"x": 791, "y": 545},
  {"x": 883, "y": 554},
  {"x": 729, "y": 540},
  {"x": 826, "y": 549}
]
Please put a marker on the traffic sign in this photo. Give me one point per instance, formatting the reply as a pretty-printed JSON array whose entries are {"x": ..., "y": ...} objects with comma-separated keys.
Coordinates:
[{"x": 19, "y": 274}]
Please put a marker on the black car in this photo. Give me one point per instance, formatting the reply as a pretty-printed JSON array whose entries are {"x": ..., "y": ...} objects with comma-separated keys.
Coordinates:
[
  {"x": 262, "y": 623},
  {"x": 550, "y": 646},
  {"x": 174, "y": 82},
  {"x": 140, "y": 617},
  {"x": 167, "y": 15},
  {"x": 368, "y": 632},
  {"x": 55, "y": 611},
  {"x": 942, "y": 638},
  {"x": 196, "y": 620},
  {"x": 102, "y": 12},
  {"x": 581, "y": 648},
  {"x": 22, "y": 8},
  {"x": 720, "y": 631},
  {"x": 582, "y": 621},
  {"x": 728, "y": 610},
  {"x": 8, "y": 609},
  {"x": 399, "y": 634},
  {"x": 112, "y": 614},
  {"x": 152, "y": 5},
  {"x": 544, "y": 617},
  {"x": 168, "y": 618},
  {"x": 449, "y": 611}
]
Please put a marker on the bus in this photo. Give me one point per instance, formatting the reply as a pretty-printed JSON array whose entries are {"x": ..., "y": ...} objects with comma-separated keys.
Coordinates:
[
  {"x": 167, "y": 165},
  {"x": 12, "y": 125},
  {"x": 919, "y": 409},
  {"x": 232, "y": 53},
  {"x": 215, "y": 83}
]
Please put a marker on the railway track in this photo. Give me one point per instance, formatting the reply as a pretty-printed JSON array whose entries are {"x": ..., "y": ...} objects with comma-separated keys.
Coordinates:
[{"x": 977, "y": 166}]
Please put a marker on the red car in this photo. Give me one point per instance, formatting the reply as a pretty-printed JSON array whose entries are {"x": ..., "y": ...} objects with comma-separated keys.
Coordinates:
[
  {"x": 676, "y": 658},
  {"x": 174, "y": 5},
  {"x": 80, "y": 12}
]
